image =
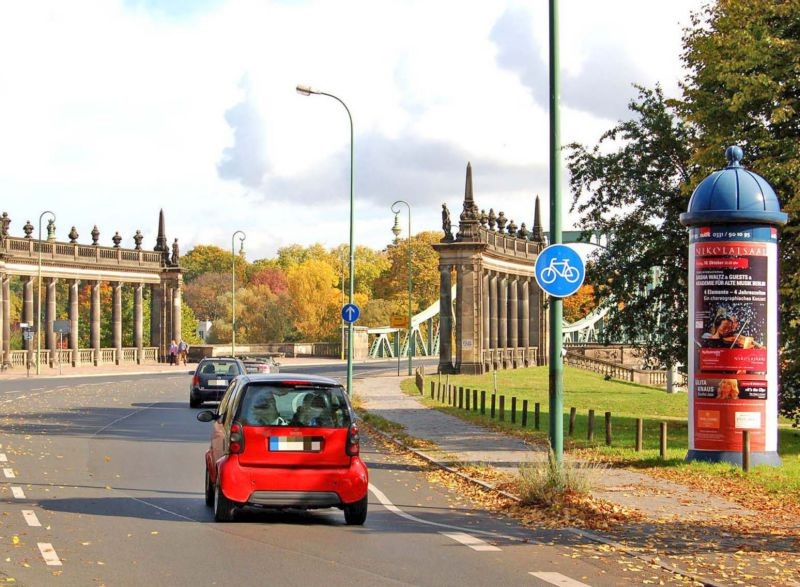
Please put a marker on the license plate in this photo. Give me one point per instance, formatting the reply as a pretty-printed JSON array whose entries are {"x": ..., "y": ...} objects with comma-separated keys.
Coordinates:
[
  {"x": 295, "y": 443},
  {"x": 217, "y": 382}
]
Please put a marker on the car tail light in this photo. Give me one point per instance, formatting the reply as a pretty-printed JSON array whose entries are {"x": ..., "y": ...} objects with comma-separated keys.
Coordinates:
[
  {"x": 196, "y": 381},
  {"x": 352, "y": 447},
  {"x": 236, "y": 443}
]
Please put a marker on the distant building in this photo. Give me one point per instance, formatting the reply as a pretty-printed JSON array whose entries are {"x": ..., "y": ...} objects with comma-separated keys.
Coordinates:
[{"x": 203, "y": 329}]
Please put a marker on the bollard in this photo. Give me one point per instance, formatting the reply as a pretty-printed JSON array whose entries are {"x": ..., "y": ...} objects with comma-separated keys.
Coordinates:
[
  {"x": 502, "y": 408},
  {"x": 524, "y": 413},
  {"x": 590, "y": 432},
  {"x": 608, "y": 428},
  {"x": 494, "y": 396},
  {"x": 483, "y": 402},
  {"x": 466, "y": 400},
  {"x": 513, "y": 410},
  {"x": 536, "y": 413},
  {"x": 746, "y": 451},
  {"x": 433, "y": 386},
  {"x": 662, "y": 449},
  {"x": 460, "y": 398},
  {"x": 572, "y": 413},
  {"x": 639, "y": 434},
  {"x": 474, "y": 400}
]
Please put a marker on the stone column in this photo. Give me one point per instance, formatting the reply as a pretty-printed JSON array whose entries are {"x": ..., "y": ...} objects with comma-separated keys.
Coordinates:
[
  {"x": 116, "y": 320},
  {"x": 513, "y": 313},
  {"x": 49, "y": 319},
  {"x": 27, "y": 309},
  {"x": 95, "y": 316},
  {"x": 468, "y": 327},
  {"x": 445, "y": 321},
  {"x": 156, "y": 308},
  {"x": 524, "y": 326},
  {"x": 494, "y": 309},
  {"x": 485, "y": 311},
  {"x": 176, "y": 312},
  {"x": 5, "y": 318},
  {"x": 74, "y": 315},
  {"x": 502, "y": 325},
  {"x": 137, "y": 321}
]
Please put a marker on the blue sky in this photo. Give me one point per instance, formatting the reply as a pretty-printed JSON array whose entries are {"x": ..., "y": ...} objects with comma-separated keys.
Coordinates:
[{"x": 114, "y": 109}]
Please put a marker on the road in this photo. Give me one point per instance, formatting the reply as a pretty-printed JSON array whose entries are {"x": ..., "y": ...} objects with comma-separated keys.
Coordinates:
[{"x": 102, "y": 485}]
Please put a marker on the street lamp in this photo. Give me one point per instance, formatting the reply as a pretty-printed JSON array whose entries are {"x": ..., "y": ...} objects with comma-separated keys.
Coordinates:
[
  {"x": 233, "y": 286},
  {"x": 307, "y": 91},
  {"x": 39, "y": 295},
  {"x": 396, "y": 210}
]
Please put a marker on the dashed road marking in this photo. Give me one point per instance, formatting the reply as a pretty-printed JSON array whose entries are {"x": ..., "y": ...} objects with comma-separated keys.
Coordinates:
[
  {"x": 49, "y": 554},
  {"x": 471, "y": 541},
  {"x": 17, "y": 493},
  {"x": 9, "y": 473},
  {"x": 3, "y": 457},
  {"x": 31, "y": 519},
  {"x": 558, "y": 579}
]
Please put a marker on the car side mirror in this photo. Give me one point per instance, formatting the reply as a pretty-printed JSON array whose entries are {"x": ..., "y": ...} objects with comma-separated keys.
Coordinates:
[{"x": 206, "y": 416}]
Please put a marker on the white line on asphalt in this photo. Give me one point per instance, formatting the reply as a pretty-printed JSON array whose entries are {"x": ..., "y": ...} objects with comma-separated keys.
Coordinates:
[
  {"x": 49, "y": 554},
  {"x": 471, "y": 541},
  {"x": 110, "y": 424},
  {"x": 385, "y": 502},
  {"x": 3, "y": 457},
  {"x": 17, "y": 493},
  {"x": 9, "y": 473},
  {"x": 30, "y": 517},
  {"x": 558, "y": 579}
]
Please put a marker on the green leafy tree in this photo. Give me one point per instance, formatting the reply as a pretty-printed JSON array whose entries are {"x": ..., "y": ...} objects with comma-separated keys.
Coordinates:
[
  {"x": 632, "y": 188},
  {"x": 743, "y": 88},
  {"x": 293, "y": 255},
  {"x": 393, "y": 282},
  {"x": 210, "y": 258},
  {"x": 369, "y": 265}
]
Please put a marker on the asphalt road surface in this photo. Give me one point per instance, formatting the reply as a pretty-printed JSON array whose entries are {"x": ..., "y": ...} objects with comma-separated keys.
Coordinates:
[{"x": 102, "y": 484}]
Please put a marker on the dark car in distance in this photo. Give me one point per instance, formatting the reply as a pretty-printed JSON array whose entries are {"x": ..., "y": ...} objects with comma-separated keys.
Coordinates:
[
  {"x": 284, "y": 441},
  {"x": 211, "y": 378}
]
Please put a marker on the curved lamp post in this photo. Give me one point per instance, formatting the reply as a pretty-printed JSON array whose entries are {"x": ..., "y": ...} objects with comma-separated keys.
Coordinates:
[
  {"x": 307, "y": 91},
  {"x": 233, "y": 286},
  {"x": 39, "y": 294},
  {"x": 396, "y": 210}
]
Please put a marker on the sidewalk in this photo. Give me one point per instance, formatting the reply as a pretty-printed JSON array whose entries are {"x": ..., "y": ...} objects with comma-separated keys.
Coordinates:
[{"x": 718, "y": 537}]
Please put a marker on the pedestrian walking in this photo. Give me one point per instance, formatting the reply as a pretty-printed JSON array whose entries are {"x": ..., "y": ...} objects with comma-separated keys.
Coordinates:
[
  {"x": 183, "y": 351},
  {"x": 173, "y": 353}
]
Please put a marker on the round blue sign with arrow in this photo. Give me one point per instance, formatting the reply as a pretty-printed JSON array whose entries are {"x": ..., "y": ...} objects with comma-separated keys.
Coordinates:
[
  {"x": 350, "y": 313},
  {"x": 559, "y": 270}
]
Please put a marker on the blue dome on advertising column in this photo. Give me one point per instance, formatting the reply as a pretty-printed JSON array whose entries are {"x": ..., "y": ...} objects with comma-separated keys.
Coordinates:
[{"x": 734, "y": 195}]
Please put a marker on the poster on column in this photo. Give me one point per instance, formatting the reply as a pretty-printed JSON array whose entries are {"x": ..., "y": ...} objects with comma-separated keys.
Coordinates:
[{"x": 730, "y": 335}]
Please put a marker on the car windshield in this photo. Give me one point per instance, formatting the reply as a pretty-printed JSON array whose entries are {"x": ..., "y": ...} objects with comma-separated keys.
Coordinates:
[
  {"x": 266, "y": 404},
  {"x": 219, "y": 368}
]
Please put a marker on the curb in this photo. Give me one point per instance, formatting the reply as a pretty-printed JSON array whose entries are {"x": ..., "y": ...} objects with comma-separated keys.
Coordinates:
[{"x": 577, "y": 531}]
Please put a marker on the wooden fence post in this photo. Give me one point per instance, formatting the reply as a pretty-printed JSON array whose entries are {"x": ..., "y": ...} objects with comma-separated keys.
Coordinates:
[
  {"x": 460, "y": 398},
  {"x": 433, "y": 386},
  {"x": 502, "y": 408},
  {"x": 537, "y": 409},
  {"x": 590, "y": 424},
  {"x": 746, "y": 451},
  {"x": 524, "y": 413},
  {"x": 608, "y": 429},
  {"x": 572, "y": 413},
  {"x": 494, "y": 397},
  {"x": 639, "y": 434},
  {"x": 663, "y": 441},
  {"x": 513, "y": 410},
  {"x": 483, "y": 402},
  {"x": 474, "y": 400},
  {"x": 466, "y": 399}
]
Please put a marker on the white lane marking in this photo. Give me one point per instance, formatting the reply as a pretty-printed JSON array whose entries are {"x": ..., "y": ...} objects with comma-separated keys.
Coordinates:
[
  {"x": 3, "y": 457},
  {"x": 558, "y": 579},
  {"x": 471, "y": 541},
  {"x": 9, "y": 473},
  {"x": 49, "y": 554},
  {"x": 385, "y": 502},
  {"x": 18, "y": 493},
  {"x": 30, "y": 517}
]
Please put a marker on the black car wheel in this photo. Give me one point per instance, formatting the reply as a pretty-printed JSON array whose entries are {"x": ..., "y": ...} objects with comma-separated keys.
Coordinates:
[
  {"x": 355, "y": 514},
  {"x": 224, "y": 508},
  {"x": 209, "y": 490},
  {"x": 194, "y": 402}
]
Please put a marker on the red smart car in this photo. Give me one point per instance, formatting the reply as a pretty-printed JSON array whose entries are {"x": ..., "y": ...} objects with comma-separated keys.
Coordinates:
[{"x": 284, "y": 441}]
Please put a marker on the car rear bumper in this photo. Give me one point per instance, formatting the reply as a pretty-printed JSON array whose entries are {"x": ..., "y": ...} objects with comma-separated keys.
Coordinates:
[
  {"x": 293, "y": 487},
  {"x": 208, "y": 395}
]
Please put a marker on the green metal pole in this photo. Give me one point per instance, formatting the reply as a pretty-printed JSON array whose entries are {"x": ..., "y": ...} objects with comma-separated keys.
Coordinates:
[
  {"x": 556, "y": 362},
  {"x": 395, "y": 208}
]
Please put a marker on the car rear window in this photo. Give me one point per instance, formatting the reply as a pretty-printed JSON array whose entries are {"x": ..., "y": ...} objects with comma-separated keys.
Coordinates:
[
  {"x": 219, "y": 368},
  {"x": 267, "y": 404}
]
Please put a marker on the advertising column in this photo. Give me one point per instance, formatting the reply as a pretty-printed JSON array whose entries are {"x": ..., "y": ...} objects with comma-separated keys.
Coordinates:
[{"x": 733, "y": 220}]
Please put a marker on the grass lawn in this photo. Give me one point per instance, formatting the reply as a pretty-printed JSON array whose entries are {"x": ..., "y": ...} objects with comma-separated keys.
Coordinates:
[{"x": 584, "y": 390}]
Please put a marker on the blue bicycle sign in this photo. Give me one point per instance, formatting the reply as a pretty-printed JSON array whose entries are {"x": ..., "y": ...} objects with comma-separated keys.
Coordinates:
[{"x": 559, "y": 270}]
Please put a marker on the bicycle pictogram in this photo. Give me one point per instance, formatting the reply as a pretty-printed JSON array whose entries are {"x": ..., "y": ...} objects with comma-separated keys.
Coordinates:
[{"x": 559, "y": 269}]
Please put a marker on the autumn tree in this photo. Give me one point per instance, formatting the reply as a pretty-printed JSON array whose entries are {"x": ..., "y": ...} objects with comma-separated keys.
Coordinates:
[
  {"x": 212, "y": 259},
  {"x": 369, "y": 265},
  {"x": 580, "y": 304},
  {"x": 743, "y": 88},
  {"x": 315, "y": 299},
  {"x": 632, "y": 188},
  {"x": 393, "y": 282},
  {"x": 206, "y": 295},
  {"x": 273, "y": 278}
]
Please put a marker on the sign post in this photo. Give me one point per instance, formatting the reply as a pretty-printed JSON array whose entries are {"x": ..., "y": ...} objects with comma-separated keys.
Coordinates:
[
  {"x": 733, "y": 221},
  {"x": 62, "y": 327}
]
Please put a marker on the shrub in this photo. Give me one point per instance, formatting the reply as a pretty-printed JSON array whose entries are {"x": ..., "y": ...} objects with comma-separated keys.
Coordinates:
[{"x": 548, "y": 483}]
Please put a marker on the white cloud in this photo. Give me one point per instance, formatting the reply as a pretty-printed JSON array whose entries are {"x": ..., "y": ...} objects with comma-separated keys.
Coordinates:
[{"x": 112, "y": 110}]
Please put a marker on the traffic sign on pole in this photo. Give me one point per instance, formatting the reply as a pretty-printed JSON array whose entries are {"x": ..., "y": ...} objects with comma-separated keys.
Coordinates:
[
  {"x": 559, "y": 270},
  {"x": 350, "y": 313}
]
